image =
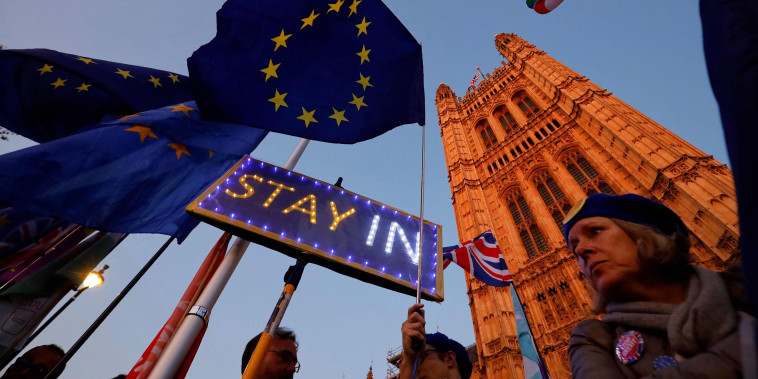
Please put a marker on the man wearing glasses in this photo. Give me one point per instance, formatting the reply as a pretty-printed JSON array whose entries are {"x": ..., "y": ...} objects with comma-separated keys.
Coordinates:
[
  {"x": 280, "y": 361},
  {"x": 438, "y": 358},
  {"x": 36, "y": 363}
]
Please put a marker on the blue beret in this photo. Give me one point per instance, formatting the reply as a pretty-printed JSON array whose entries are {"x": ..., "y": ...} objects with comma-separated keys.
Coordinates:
[
  {"x": 629, "y": 207},
  {"x": 443, "y": 343}
]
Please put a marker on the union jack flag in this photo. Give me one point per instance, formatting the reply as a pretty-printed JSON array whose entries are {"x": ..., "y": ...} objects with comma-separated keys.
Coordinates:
[
  {"x": 482, "y": 258},
  {"x": 474, "y": 80},
  {"x": 472, "y": 86}
]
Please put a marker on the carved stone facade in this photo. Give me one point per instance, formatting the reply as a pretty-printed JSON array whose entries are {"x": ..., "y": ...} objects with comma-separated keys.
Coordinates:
[{"x": 530, "y": 141}]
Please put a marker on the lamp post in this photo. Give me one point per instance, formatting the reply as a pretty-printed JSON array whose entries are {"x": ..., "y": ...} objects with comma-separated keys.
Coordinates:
[{"x": 93, "y": 279}]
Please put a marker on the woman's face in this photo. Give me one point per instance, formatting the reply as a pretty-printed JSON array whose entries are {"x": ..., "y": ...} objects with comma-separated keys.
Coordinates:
[{"x": 607, "y": 257}]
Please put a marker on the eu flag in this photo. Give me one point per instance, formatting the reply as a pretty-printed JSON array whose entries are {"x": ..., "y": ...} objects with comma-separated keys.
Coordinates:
[
  {"x": 336, "y": 72},
  {"x": 45, "y": 94},
  {"x": 133, "y": 175}
]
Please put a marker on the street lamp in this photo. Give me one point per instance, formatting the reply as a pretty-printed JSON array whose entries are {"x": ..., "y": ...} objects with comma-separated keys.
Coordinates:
[{"x": 93, "y": 279}]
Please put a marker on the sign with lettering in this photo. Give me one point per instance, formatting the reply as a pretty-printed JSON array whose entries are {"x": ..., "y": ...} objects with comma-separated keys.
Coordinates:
[{"x": 336, "y": 228}]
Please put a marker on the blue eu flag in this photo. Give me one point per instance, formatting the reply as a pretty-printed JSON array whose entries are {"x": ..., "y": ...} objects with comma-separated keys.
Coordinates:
[
  {"x": 45, "y": 94},
  {"x": 133, "y": 175},
  {"x": 335, "y": 71}
]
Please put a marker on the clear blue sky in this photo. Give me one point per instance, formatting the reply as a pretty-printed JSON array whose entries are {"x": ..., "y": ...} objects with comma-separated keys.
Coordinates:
[{"x": 648, "y": 53}]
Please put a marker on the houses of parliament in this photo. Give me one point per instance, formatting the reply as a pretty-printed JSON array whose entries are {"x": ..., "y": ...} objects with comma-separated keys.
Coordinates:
[{"x": 528, "y": 142}]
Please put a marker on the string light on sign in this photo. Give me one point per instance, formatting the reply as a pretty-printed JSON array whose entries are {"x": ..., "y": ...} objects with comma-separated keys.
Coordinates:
[
  {"x": 338, "y": 225},
  {"x": 338, "y": 217}
]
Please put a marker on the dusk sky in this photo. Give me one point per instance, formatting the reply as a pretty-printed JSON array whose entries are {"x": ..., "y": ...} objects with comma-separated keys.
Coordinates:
[{"x": 647, "y": 53}]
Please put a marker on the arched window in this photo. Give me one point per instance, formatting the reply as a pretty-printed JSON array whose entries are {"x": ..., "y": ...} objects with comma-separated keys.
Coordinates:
[
  {"x": 553, "y": 197},
  {"x": 525, "y": 104},
  {"x": 585, "y": 175},
  {"x": 488, "y": 136},
  {"x": 508, "y": 123},
  {"x": 529, "y": 233}
]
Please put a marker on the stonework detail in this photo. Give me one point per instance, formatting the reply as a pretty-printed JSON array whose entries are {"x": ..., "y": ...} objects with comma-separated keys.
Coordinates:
[{"x": 558, "y": 138}]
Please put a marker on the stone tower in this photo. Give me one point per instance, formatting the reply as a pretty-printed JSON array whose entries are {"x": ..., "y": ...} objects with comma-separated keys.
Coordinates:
[{"x": 531, "y": 140}]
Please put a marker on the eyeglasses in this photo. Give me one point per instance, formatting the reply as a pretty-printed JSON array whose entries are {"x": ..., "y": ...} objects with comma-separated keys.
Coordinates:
[
  {"x": 27, "y": 363},
  {"x": 288, "y": 357}
]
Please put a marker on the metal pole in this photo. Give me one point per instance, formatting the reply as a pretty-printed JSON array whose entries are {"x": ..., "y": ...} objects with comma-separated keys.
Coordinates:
[
  {"x": 172, "y": 357},
  {"x": 291, "y": 280},
  {"x": 421, "y": 216},
  {"x": 415, "y": 342},
  {"x": 78, "y": 344},
  {"x": 296, "y": 154}
]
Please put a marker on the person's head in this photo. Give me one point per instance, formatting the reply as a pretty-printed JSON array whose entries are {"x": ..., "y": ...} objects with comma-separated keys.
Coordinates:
[
  {"x": 443, "y": 358},
  {"x": 36, "y": 363},
  {"x": 280, "y": 359},
  {"x": 622, "y": 241}
]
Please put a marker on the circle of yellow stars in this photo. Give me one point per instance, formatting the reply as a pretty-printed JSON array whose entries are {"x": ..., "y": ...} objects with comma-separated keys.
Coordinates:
[{"x": 308, "y": 116}]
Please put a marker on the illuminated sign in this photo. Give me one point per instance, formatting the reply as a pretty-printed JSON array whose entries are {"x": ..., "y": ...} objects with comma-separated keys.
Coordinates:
[{"x": 336, "y": 228}]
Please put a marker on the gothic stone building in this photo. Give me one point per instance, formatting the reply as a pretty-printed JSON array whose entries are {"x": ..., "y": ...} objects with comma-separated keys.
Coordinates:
[{"x": 531, "y": 140}]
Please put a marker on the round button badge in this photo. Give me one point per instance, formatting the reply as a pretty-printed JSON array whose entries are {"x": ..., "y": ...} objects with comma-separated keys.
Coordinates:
[{"x": 629, "y": 347}]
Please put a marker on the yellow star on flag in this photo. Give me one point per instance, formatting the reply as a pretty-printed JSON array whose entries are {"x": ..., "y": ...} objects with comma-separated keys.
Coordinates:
[
  {"x": 278, "y": 100},
  {"x": 336, "y": 6},
  {"x": 308, "y": 21},
  {"x": 270, "y": 70},
  {"x": 358, "y": 102},
  {"x": 354, "y": 7},
  {"x": 364, "y": 81},
  {"x": 307, "y": 117},
  {"x": 83, "y": 87},
  {"x": 210, "y": 153},
  {"x": 364, "y": 54},
  {"x": 46, "y": 68},
  {"x": 181, "y": 108},
  {"x": 339, "y": 116},
  {"x": 174, "y": 78},
  {"x": 144, "y": 132},
  {"x": 362, "y": 27},
  {"x": 129, "y": 116},
  {"x": 156, "y": 82},
  {"x": 86, "y": 60},
  {"x": 59, "y": 83},
  {"x": 123, "y": 73},
  {"x": 180, "y": 149},
  {"x": 281, "y": 40},
  {"x": 4, "y": 220}
]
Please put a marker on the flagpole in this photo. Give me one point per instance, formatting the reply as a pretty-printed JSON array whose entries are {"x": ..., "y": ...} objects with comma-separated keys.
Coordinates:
[
  {"x": 176, "y": 350},
  {"x": 78, "y": 344},
  {"x": 415, "y": 342},
  {"x": 181, "y": 342},
  {"x": 421, "y": 216}
]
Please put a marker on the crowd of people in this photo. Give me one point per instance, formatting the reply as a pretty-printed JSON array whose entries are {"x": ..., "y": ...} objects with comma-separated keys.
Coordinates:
[{"x": 657, "y": 315}]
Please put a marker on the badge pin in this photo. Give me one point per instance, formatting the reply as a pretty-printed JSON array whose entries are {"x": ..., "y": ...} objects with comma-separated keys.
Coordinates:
[{"x": 629, "y": 347}]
